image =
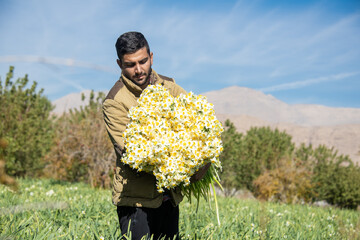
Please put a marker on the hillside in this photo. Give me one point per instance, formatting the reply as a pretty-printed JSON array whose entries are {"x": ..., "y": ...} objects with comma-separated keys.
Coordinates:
[
  {"x": 71, "y": 101},
  {"x": 244, "y": 101},
  {"x": 306, "y": 123}
]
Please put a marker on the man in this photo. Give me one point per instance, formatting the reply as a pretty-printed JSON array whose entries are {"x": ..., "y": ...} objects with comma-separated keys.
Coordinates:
[{"x": 138, "y": 202}]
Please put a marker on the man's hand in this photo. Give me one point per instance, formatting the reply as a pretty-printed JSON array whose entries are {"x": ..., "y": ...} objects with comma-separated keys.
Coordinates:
[{"x": 200, "y": 173}]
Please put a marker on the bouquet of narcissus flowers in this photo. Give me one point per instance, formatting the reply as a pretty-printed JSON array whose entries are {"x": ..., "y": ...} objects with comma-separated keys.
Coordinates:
[{"x": 173, "y": 138}]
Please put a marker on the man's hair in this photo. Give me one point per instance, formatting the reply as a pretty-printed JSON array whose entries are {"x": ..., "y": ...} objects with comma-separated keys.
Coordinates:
[{"x": 130, "y": 42}]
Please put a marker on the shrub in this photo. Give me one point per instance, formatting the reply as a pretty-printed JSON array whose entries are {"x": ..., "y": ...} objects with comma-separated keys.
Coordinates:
[
  {"x": 82, "y": 151},
  {"x": 262, "y": 150},
  {"x": 289, "y": 183},
  {"x": 26, "y": 125},
  {"x": 4, "y": 178}
]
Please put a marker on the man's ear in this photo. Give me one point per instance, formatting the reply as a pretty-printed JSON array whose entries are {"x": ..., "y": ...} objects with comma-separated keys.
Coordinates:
[{"x": 119, "y": 63}]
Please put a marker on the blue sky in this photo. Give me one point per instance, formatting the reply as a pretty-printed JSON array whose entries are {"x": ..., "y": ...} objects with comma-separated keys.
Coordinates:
[{"x": 305, "y": 52}]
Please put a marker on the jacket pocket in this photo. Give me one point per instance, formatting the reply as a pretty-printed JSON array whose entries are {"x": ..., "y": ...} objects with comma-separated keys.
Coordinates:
[{"x": 134, "y": 184}]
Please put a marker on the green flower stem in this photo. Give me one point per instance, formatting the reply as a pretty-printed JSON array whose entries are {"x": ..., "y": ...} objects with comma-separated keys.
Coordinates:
[
  {"x": 216, "y": 205},
  {"x": 203, "y": 188}
]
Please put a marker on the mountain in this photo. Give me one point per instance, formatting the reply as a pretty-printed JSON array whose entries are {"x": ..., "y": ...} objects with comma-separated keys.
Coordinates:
[
  {"x": 246, "y": 108},
  {"x": 71, "y": 101},
  {"x": 244, "y": 101}
]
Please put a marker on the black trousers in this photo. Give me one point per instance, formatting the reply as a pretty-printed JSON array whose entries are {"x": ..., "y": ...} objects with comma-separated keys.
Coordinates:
[{"x": 160, "y": 223}]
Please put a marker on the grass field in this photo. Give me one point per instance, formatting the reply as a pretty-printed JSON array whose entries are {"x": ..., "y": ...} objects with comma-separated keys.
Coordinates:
[{"x": 47, "y": 209}]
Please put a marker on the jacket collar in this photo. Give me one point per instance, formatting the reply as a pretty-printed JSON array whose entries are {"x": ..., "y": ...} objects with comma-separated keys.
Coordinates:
[{"x": 135, "y": 89}]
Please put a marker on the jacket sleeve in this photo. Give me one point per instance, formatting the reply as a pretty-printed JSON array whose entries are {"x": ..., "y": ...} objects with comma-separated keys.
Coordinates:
[
  {"x": 176, "y": 90},
  {"x": 115, "y": 117}
]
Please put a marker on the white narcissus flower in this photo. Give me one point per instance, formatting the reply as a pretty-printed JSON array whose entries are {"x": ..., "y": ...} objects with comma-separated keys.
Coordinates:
[
  {"x": 50, "y": 193},
  {"x": 172, "y": 137}
]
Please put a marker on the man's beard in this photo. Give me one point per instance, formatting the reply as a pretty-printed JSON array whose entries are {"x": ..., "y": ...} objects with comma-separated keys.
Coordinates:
[{"x": 147, "y": 81}]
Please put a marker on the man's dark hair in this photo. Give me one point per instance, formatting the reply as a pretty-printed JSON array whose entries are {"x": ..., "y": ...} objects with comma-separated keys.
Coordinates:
[{"x": 130, "y": 42}]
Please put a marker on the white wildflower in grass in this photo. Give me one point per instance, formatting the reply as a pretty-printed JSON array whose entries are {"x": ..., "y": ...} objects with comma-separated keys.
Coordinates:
[
  {"x": 50, "y": 193},
  {"x": 172, "y": 138},
  {"x": 252, "y": 226}
]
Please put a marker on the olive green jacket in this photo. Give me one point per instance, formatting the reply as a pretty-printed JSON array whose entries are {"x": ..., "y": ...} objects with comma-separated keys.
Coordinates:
[{"x": 132, "y": 188}]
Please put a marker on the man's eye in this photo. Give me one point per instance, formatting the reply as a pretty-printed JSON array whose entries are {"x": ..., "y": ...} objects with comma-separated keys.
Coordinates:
[
  {"x": 129, "y": 65},
  {"x": 143, "y": 61}
]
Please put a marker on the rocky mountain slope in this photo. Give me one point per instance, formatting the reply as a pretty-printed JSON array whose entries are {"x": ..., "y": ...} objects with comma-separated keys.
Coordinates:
[
  {"x": 244, "y": 101},
  {"x": 71, "y": 101}
]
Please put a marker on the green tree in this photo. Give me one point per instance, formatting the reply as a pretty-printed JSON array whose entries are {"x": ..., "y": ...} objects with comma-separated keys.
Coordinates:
[
  {"x": 26, "y": 124},
  {"x": 263, "y": 148},
  {"x": 230, "y": 158},
  {"x": 336, "y": 178},
  {"x": 245, "y": 157}
]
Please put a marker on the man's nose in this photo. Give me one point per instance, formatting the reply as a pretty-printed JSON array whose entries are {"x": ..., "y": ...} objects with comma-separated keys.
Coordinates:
[{"x": 137, "y": 68}]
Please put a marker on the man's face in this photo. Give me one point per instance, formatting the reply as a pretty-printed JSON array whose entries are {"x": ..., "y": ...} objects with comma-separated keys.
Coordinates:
[{"x": 137, "y": 66}]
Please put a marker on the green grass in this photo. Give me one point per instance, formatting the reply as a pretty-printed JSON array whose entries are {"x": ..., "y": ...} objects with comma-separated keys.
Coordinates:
[{"x": 47, "y": 209}]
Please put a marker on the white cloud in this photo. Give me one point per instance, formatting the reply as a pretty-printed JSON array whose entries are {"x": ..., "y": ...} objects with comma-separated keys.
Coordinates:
[
  {"x": 69, "y": 62},
  {"x": 308, "y": 82}
]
